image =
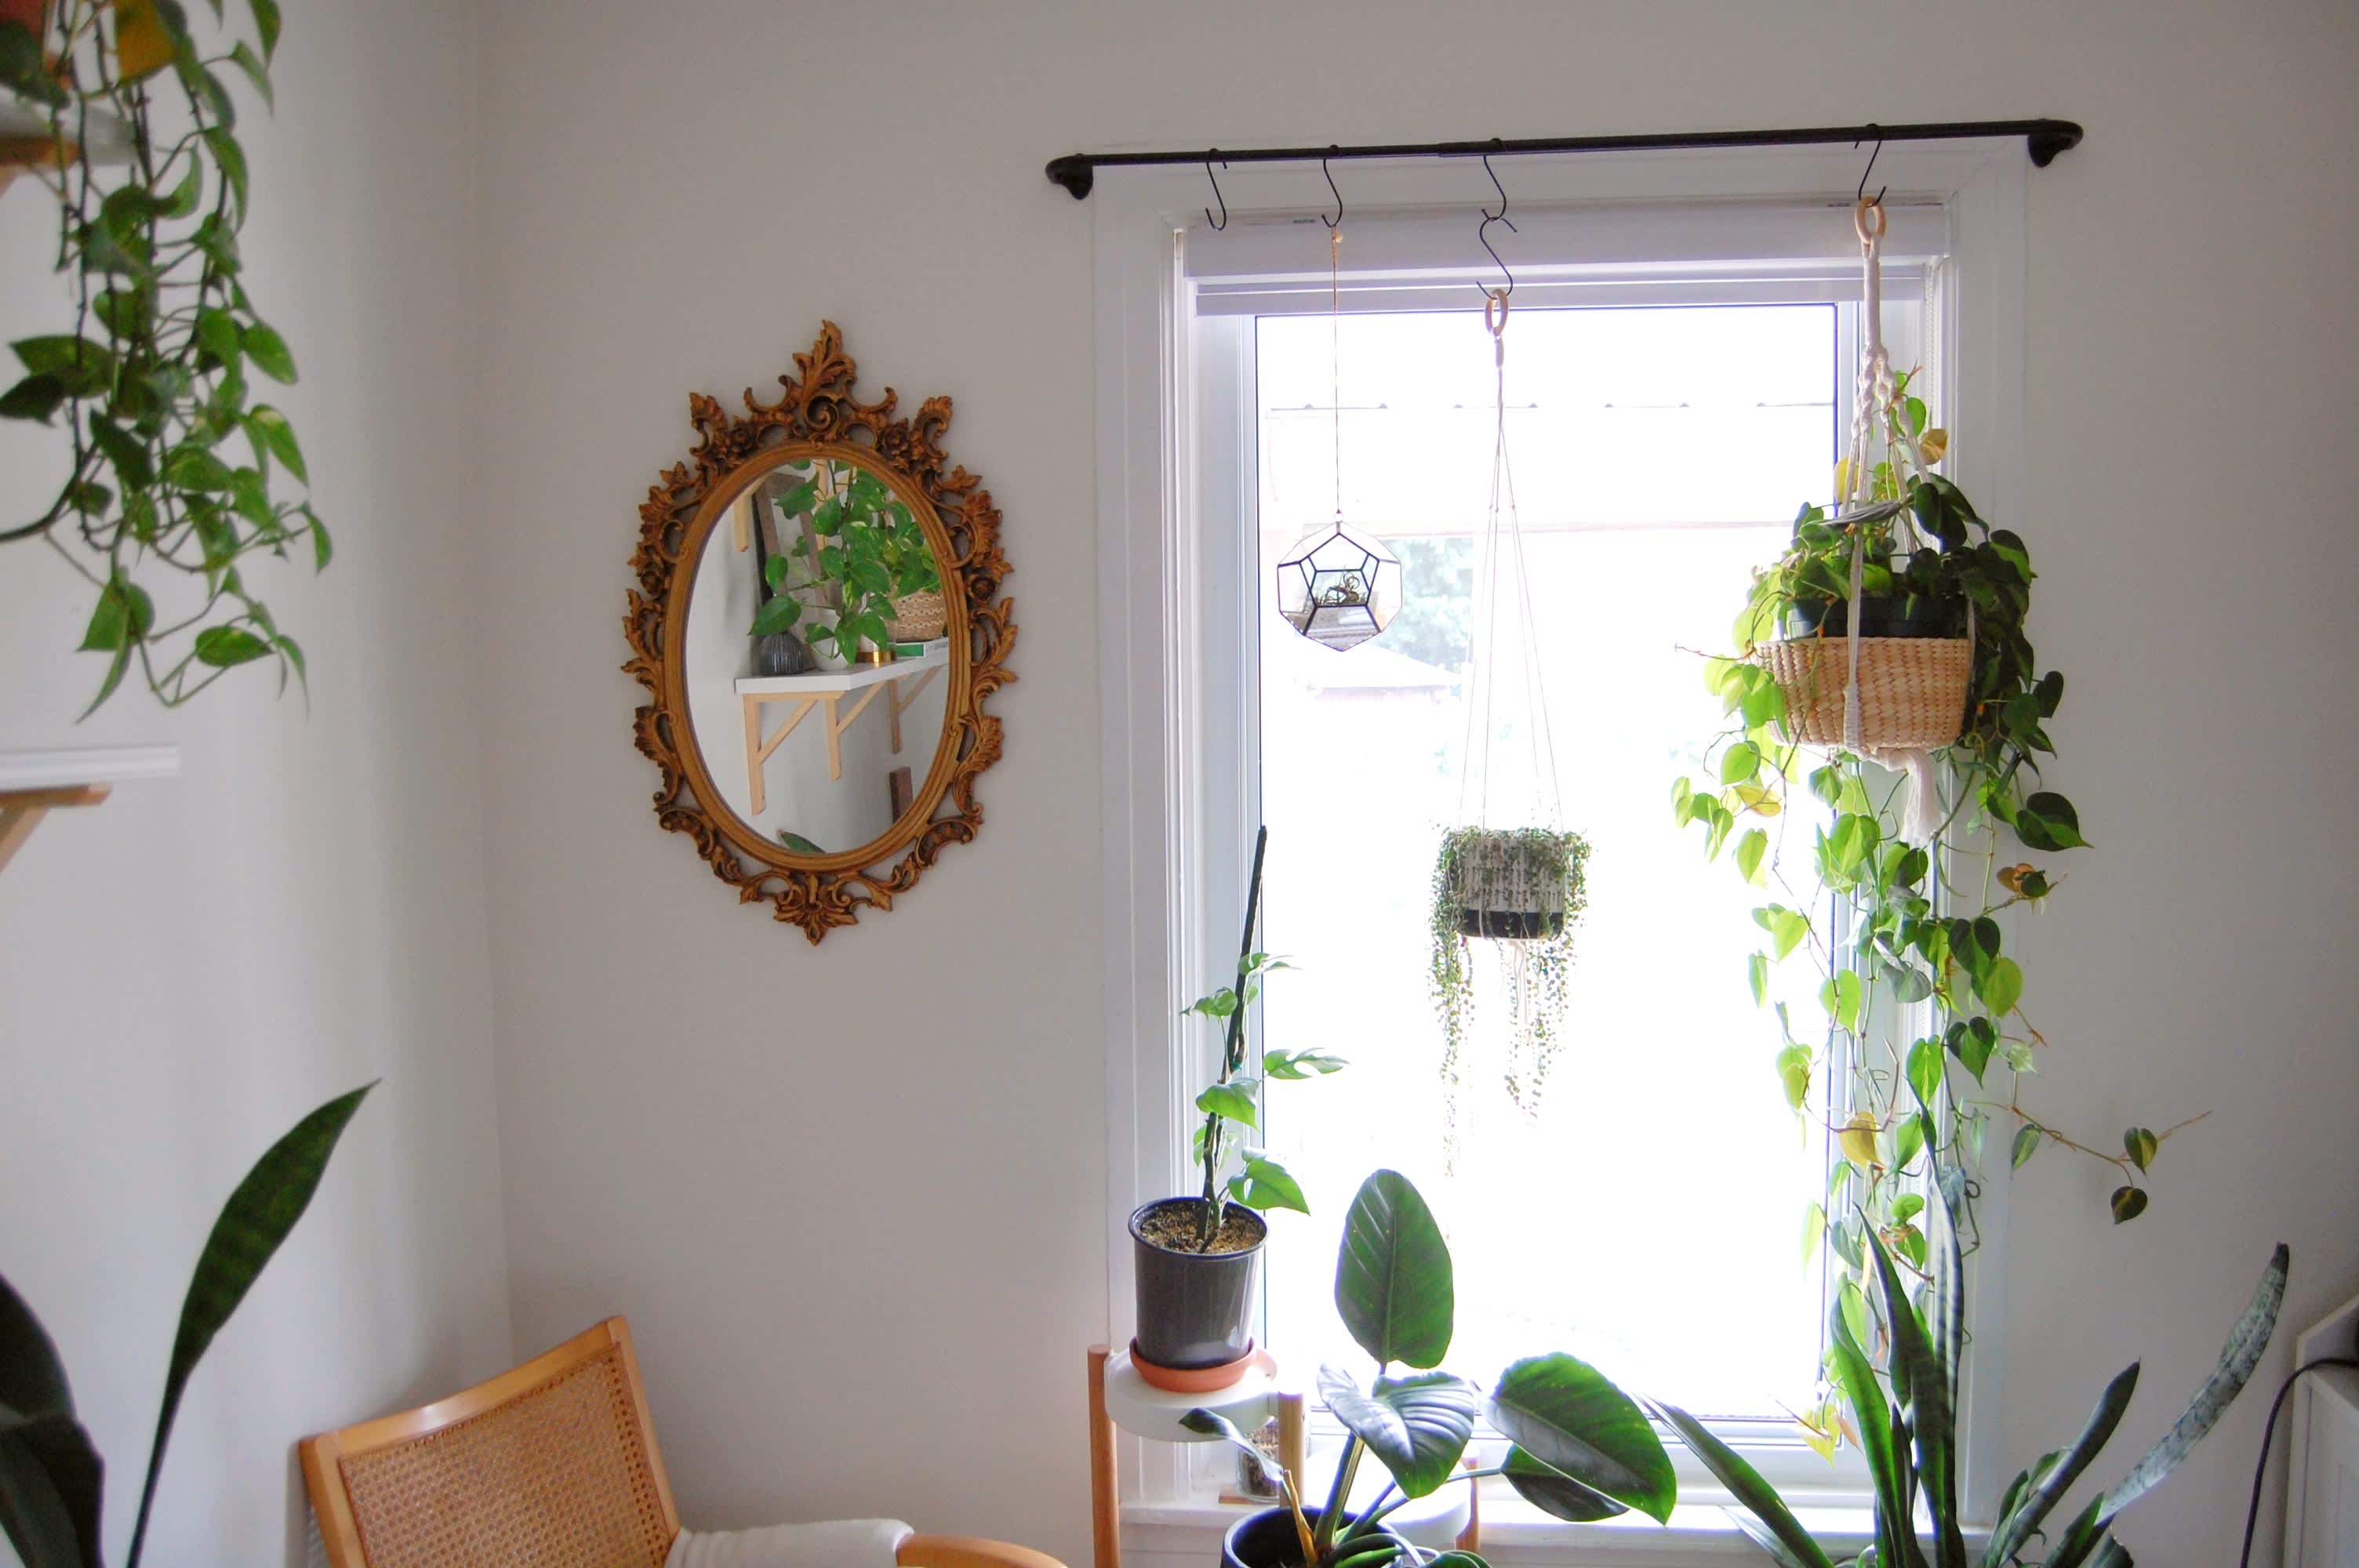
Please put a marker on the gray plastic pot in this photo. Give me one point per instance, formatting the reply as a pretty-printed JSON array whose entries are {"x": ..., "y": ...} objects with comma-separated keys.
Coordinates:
[{"x": 1194, "y": 1308}]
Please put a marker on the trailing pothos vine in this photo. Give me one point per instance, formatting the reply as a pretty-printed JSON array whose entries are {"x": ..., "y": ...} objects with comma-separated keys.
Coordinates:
[
  {"x": 160, "y": 511},
  {"x": 1927, "y": 1043}
]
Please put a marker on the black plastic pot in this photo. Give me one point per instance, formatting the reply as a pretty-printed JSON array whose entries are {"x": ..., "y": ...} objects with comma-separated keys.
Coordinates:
[
  {"x": 1193, "y": 1307},
  {"x": 1880, "y": 615},
  {"x": 1510, "y": 925},
  {"x": 1267, "y": 1539}
]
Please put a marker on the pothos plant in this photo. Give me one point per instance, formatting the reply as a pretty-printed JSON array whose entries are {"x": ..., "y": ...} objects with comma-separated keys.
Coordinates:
[
  {"x": 1918, "y": 936},
  {"x": 1525, "y": 888},
  {"x": 170, "y": 495},
  {"x": 1231, "y": 1103},
  {"x": 859, "y": 546}
]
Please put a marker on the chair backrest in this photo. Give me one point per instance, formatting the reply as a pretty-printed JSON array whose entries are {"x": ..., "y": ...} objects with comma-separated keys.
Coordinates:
[{"x": 550, "y": 1465}]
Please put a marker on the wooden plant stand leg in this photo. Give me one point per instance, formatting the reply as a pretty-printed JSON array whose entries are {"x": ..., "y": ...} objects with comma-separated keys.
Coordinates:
[{"x": 1105, "y": 1528}]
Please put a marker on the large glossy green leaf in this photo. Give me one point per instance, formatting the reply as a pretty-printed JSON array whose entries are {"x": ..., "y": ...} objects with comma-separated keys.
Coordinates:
[
  {"x": 2034, "y": 1499},
  {"x": 1416, "y": 1427},
  {"x": 2246, "y": 1341},
  {"x": 50, "y": 1472},
  {"x": 1924, "y": 1384},
  {"x": 1572, "y": 1418},
  {"x": 1553, "y": 1492},
  {"x": 256, "y": 1219},
  {"x": 1793, "y": 1547},
  {"x": 1395, "y": 1289}
]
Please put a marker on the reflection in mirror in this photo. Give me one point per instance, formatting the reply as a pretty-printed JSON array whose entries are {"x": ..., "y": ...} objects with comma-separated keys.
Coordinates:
[{"x": 815, "y": 654}]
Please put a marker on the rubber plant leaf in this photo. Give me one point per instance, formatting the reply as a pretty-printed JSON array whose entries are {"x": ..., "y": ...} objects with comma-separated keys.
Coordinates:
[
  {"x": 1553, "y": 1492},
  {"x": 1924, "y": 1383},
  {"x": 1417, "y": 1427},
  {"x": 1395, "y": 1288},
  {"x": 2246, "y": 1342},
  {"x": 51, "y": 1475},
  {"x": 1572, "y": 1418},
  {"x": 2031, "y": 1505},
  {"x": 1767, "y": 1518},
  {"x": 256, "y": 1219}
]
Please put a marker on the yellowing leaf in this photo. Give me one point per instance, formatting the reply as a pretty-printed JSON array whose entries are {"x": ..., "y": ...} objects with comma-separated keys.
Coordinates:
[
  {"x": 1843, "y": 478},
  {"x": 142, "y": 45},
  {"x": 1934, "y": 444},
  {"x": 1858, "y": 1140},
  {"x": 1758, "y": 801}
]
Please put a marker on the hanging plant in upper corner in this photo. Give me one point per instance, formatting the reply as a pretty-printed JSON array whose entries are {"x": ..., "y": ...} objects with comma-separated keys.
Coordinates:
[
  {"x": 1930, "y": 724},
  {"x": 1522, "y": 888},
  {"x": 169, "y": 497}
]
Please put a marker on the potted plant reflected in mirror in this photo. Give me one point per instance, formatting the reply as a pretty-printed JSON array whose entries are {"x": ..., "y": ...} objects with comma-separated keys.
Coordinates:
[
  {"x": 1580, "y": 1448},
  {"x": 858, "y": 576},
  {"x": 1195, "y": 1256}
]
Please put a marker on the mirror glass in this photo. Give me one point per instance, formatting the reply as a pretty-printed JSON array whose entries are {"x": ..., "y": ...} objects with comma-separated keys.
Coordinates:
[{"x": 816, "y": 659}]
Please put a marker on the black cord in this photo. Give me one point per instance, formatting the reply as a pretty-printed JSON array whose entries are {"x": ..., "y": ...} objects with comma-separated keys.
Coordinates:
[{"x": 2268, "y": 1432}]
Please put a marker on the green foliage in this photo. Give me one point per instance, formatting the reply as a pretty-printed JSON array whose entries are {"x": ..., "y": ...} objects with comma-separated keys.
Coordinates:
[
  {"x": 1479, "y": 873},
  {"x": 170, "y": 496},
  {"x": 1582, "y": 1449},
  {"x": 1233, "y": 1097},
  {"x": 856, "y": 550},
  {"x": 50, "y": 1470}
]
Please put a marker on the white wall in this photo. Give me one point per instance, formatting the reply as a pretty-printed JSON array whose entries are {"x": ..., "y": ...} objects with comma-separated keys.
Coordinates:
[
  {"x": 191, "y": 966},
  {"x": 850, "y": 1195}
]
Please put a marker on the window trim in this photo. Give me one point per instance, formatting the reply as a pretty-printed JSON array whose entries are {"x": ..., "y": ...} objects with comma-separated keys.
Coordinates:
[{"x": 1163, "y": 812}]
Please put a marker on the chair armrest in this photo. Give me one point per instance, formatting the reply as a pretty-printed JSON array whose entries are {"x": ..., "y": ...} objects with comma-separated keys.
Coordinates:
[{"x": 969, "y": 1551}]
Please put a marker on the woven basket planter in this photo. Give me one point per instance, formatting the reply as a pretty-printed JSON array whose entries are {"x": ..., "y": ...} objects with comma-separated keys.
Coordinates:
[
  {"x": 919, "y": 618},
  {"x": 1912, "y": 690}
]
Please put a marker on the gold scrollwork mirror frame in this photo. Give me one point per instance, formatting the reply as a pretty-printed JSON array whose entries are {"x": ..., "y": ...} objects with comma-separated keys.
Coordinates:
[{"x": 816, "y": 416}]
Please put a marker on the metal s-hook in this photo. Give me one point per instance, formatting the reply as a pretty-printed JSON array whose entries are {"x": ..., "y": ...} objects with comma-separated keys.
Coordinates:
[
  {"x": 1860, "y": 196},
  {"x": 1223, "y": 201},
  {"x": 1337, "y": 220},
  {"x": 1483, "y": 233}
]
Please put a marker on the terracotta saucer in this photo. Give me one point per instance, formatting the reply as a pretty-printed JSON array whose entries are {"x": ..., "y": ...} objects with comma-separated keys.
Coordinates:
[{"x": 1196, "y": 1379}]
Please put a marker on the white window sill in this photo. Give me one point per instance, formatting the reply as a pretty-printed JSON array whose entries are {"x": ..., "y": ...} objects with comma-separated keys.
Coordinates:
[{"x": 1155, "y": 1535}]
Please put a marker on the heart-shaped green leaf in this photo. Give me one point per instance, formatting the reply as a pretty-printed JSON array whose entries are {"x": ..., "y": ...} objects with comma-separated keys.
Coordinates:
[
  {"x": 1417, "y": 1426},
  {"x": 1395, "y": 1288},
  {"x": 1573, "y": 1419}
]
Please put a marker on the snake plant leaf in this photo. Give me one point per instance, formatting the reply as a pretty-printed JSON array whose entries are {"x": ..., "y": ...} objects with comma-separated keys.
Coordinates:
[
  {"x": 2029, "y": 1502},
  {"x": 2110, "y": 1553},
  {"x": 2083, "y": 1537},
  {"x": 1945, "y": 1303},
  {"x": 1572, "y": 1418},
  {"x": 1767, "y": 1518},
  {"x": 1924, "y": 1383},
  {"x": 1417, "y": 1427},
  {"x": 2246, "y": 1341},
  {"x": 50, "y": 1473},
  {"x": 258, "y": 1217},
  {"x": 1877, "y": 1424},
  {"x": 1395, "y": 1288},
  {"x": 1553, "y": 1492}
]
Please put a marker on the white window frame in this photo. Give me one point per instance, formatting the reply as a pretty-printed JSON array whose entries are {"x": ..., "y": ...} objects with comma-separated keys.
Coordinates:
[{"x": 1175, "y": 795}]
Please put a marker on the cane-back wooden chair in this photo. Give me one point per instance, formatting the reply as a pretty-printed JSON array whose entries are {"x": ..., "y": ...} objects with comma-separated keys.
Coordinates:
[{"x": 550, "y": 1465}]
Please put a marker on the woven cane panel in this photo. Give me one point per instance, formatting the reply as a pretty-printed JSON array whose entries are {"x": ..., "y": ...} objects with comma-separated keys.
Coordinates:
[
  {"x": 1912, "y": 690},
  {"x": 555, "y": 1478}
]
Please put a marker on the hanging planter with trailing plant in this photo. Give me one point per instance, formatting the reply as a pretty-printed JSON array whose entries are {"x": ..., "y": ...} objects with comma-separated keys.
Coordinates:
[{"x": 150, "y": 377}]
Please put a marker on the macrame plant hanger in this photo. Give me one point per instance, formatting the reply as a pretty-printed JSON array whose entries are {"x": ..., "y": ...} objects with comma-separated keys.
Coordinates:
[
  {"x": 1520, "y": 889},
  {"x": 1878, "y": 402}
]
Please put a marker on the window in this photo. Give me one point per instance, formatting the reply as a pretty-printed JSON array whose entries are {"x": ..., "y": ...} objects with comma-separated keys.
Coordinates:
[
  {"x": 1662, "y": 450},
  {"x": 1678, "y": 368}
]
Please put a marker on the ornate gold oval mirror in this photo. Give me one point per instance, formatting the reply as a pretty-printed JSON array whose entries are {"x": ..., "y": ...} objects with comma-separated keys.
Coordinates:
[{"x": 817, "y": 622}]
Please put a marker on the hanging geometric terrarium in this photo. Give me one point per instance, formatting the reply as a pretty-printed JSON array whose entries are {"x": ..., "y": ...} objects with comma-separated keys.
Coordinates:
[{"x": 1338, "y": 587}]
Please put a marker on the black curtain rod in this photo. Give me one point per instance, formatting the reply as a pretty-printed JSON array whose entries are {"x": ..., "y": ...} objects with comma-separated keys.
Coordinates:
[{"x": 1077, "y": 172}]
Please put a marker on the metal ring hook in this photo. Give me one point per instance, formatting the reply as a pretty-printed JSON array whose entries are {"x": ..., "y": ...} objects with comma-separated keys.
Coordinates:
[
  {"x": 1337, "y": 220},
  {"x": 1860, "y": 194},
  {"x": 1216, "y": 191},
  {"x": 1483, "y": 233}
]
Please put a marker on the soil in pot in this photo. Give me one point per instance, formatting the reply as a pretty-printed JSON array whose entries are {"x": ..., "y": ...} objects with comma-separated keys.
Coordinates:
[{"x": 1193, "y": 1306}]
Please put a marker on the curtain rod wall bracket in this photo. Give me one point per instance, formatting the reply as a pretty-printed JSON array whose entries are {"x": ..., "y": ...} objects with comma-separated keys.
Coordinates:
[{"x": 2043, "y": 139}]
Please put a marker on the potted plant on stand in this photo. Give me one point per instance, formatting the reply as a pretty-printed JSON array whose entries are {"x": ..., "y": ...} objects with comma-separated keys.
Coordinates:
[
  {"x": 1196, "y": 1256},
  {"x": 1580, "y": 1448}
]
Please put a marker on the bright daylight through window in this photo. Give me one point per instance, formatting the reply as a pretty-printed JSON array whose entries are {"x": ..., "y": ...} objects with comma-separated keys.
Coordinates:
[{"x": 1658, "y": 453}]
